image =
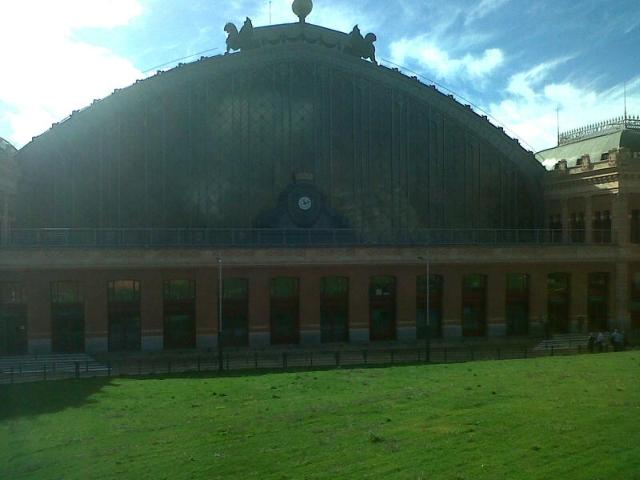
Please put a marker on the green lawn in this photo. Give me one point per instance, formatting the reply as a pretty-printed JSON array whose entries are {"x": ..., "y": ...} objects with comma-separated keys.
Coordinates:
[{"x": 551, "y": 418}]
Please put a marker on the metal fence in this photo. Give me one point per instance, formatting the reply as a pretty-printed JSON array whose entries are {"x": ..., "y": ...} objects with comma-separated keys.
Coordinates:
[
  {"x": 33, "y": 370},
  {"x": 246, "y": 238}
]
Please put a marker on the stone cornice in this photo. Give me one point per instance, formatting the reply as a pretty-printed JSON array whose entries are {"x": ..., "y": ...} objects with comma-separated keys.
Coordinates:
[{"x": 79, "y": 259}]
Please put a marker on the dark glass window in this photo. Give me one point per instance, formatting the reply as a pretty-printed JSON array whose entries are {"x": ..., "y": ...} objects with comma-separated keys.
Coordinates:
[
  {"x": 285, "y": 311},
  {"x": 65, "y": 292},
  {"x": 124, "y": 315},
  {"x": 235, "y": 312},
  {"x": 517, "y": 304},
  {"x": 558, "y": 289},
  {"x": 555, "y": 228},
  {"x": 179, "y": 290},
  {"x": 598, "y": 301},
  {"x": 334, "y": 309},
  {"x": 602, "y": 227},
  {"x": 474, "y": 305},
  {"x": 67, "y": 317},
  {"x": 12, "y": 293},
  {"x": 435, "y": 306},
  {"x": 577, "y": 227},
  {"x": 179, "y": 314},
  {"x": 382, "y": 306},
  {"x": 13, "y": 319}
]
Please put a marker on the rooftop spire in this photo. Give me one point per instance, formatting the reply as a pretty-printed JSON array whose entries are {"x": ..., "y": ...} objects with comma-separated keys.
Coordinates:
[
  {"x": 302, "y": 8},
  {"x": 625, "y": 102}
]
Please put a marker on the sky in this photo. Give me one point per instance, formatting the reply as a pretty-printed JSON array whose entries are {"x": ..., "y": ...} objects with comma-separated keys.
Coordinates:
[{"x": 519, "y": 61}]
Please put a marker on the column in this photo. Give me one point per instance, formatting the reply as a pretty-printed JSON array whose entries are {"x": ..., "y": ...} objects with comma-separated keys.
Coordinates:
[
  {"x": 578, "y": 321},
  {"x": 538, "y": 302},
  {"x": 39, "y": 326},
  {"x": 310, "y": 309},
  {"x": 620, "y": 219},
  {"x": 207, "y": 308},
  {"x": 96, "y": 313},
  {"x": 565, "y": 221},
  {"x": 452, "y": 304},
  {"x": 359, "y": 307},
  {"x": 151, "y": 311},
  {"x": 588, "y": 219},
  {"x": 259, "y": 309},
  {"x": 622, "y": 320},
  {"x": 496, "y": 304},
  {"x": 406, "y": 305}
]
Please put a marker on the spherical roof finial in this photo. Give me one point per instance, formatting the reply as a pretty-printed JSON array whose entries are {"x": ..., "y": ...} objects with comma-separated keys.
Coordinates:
[{"x": 302, "y": 8}]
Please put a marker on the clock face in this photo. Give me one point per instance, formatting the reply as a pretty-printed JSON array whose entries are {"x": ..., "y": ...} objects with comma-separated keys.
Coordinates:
[{"x": 304, "y": 203}]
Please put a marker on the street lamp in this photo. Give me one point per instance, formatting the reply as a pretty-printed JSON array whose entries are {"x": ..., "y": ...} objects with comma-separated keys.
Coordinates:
[
  {"x": 220, "y": 343},
  {"x": 427, "y": 335}
]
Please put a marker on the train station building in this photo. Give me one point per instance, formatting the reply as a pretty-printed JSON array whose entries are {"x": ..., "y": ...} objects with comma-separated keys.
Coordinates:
[{"x": 303, "y": 191}]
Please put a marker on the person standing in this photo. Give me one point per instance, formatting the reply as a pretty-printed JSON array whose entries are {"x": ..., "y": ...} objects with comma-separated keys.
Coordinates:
[{"x": 591, "y": 342}]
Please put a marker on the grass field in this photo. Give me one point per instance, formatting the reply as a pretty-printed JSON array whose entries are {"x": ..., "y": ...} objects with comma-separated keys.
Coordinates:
[{"x": 551, "y": 418}]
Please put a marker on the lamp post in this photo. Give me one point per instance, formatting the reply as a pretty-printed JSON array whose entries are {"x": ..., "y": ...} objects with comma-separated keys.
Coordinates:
[
  {"x": 220, "y": 342},
  {"x": 427, "y": 334}
]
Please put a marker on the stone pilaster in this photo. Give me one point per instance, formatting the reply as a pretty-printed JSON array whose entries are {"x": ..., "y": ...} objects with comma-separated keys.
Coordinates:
[
  {"x": 406, "y": 298},
  {"x": 588, "y": 219},
  {"x": 620, "y": 219},
  {"x": 359, "y": 307},
  {"x": 452, "y": 304},
  {"x": 565, "y": 221},
  {"x": 151, "y": 311},
  {"x": 538, "y": 303},
  {"x": 310, "y": 309},
  {"x": 207, "y": 308},
  {"x": 259, "y": 309},
  {"x": 578, "y": 321},
  {"x": 496, "y": 303}
]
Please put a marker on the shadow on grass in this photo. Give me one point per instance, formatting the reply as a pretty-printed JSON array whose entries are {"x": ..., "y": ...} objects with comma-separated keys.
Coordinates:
[
  {"x": 28, "y": 399},
  {"x": 213, "y": 374},
  {"x": 38, "y": 398}
]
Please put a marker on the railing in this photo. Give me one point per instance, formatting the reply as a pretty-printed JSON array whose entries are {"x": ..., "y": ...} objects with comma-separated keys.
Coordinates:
[
  {"x": 629, "y": 122},
  {"x": 246, "y": 238},
  {"x": 31, "y": 371}
]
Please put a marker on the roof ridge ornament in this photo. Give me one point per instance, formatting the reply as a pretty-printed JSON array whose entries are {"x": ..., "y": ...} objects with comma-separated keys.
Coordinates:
[
  {"x": 362, "y": 47},
  {"x": 302, "y": 9},
  {"x": 242, "y": 40}
]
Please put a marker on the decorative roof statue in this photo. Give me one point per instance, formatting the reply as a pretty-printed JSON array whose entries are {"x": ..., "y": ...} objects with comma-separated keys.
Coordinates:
[
  {"x": 362, "y": 47},
  {"x": 242, "y": 40},
  {"x": 302, "y": 9}
]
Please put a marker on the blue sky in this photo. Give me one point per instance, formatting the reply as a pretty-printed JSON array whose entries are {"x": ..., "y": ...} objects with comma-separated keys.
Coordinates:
[{"x": 517, "y": 60}]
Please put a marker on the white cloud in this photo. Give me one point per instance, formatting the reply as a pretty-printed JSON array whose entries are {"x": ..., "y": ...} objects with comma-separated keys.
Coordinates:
[
  {"x": 50, "y": 72},
  {"x": 484, "y": 8},
  {"x": 432, "y": 58},
  {"x": 529, "y": 107}
]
